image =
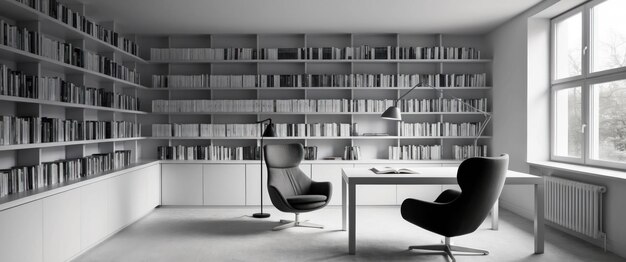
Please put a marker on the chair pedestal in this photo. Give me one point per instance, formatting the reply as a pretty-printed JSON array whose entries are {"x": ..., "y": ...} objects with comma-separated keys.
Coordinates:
[
  {"x": 296, "y": 223},
  {"x": 448, "y": 248}
]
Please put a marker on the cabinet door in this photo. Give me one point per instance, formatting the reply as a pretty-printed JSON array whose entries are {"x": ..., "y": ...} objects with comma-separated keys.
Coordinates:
[
  {"x": 21, "y": 237},
  {"x": 61, "y": 226},
  {"x": 254, "y": 184},
  {"x": 154, "y": 191},
  {"x": 332, "y": 174},
  {"x": 375, "y": 194},
  {"x": 422, "y": 192},
  {"x": 224, "y": 184},
  {"x": 181, "y": 184},
  {"x": 94, "y": 213}
]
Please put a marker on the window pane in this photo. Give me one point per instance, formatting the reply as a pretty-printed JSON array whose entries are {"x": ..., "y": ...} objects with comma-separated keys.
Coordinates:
[
  {"x": 568, "y": 125},
  {"x": 609, "y": 126},
  {"x": 609, "y": 35},
  {"x": 568, "y": 46}
]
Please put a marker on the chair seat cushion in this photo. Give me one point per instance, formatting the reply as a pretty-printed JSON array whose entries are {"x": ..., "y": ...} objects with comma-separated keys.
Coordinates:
[{"x": 305, "y": 199}]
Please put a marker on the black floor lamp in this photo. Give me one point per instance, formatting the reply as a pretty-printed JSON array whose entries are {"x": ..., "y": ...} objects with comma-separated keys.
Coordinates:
[{"x": 268, "y": 132}]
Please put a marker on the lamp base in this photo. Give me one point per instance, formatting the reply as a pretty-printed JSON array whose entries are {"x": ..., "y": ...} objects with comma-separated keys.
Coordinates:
[{"x": 261, "y": 215}]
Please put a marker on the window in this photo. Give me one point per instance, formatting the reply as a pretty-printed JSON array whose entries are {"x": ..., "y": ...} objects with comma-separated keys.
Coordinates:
[{"x": 589, "y": 85}]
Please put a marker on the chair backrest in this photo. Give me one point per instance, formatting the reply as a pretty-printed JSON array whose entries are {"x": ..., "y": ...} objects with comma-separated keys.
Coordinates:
[
  {"x": 283, "y": 171},
  {"x": 481, "y": 180}
]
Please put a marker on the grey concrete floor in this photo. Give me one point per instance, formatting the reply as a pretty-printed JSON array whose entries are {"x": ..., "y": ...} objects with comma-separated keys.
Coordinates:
[{"x": 230, "y": 234}]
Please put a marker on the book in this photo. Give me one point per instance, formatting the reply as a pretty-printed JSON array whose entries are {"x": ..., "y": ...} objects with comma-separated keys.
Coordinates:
[{"x": 391, "y": 170}]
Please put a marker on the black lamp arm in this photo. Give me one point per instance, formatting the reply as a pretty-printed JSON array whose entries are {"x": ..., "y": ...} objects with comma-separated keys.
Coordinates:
[{"x": 265, "y": 120}]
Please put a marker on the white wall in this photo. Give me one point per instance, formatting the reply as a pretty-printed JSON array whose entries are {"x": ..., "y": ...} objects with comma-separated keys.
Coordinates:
[{"x": 521, "y": 118}]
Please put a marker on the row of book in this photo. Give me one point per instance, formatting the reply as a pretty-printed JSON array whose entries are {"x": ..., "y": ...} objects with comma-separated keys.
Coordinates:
[
  {"x": 25, "y": 178},
  {"x": 315, "y": 53},
  {"x": 351, "y": 153},
  {"x": 66, "y": 15},
  {"x": 26, "y": 130},
  {"x": 438, "y": 129},
  {"x": 212, "y": 152},
  {"x": 415, "y": 152},
  {"x": 253, "y": 130},
  {"x": 461, "y": 152},
  {"x": 17, "y": 83},
  {"x": 320, "y": 105},
  {"x": 318, "y": 80},
  {"x": 316, "y": 129},
  {"x": 39, "y": 44}
]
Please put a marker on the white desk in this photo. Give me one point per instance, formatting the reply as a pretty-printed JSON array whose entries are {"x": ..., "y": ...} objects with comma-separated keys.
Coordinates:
[{"x": 429, "y": 175}]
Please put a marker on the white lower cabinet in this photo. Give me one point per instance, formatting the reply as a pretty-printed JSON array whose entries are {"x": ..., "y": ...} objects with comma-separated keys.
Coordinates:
[
  {"x": 94, "y": 213},
  {"x": 61, "y": 226},
  {"x": 254, "y": 184},
  {"x": 224, "y": 184},
  {"x": 22, "y": 229},
  {"x": 332, "y": 174},
  {"x": 181, "y": 184}
]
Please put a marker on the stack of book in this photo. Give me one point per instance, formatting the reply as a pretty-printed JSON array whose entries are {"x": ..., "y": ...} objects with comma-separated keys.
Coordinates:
[
  {"x": 39, "y": 44},
  {"x": 209, "y": 152},
  {"x": 318, "y": 80},
  {"x": 75, "y": 19},
  {"x": 461, "y": 152},
  {"x": 352, "y": 153},
  {"x": 415, "y": 152},
  {"x": 26, "y": 130},
  {"x": 21, "y": 179},
  {"x": 310, "y": 153},
  {"x": 438, "y": 129}
]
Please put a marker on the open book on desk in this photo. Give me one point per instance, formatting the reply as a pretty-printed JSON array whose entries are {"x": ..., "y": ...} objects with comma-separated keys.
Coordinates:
[{"x": 391, "y": 170}]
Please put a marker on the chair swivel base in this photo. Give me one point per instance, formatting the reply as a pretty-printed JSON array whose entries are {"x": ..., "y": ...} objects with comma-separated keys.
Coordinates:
[
  {"x": 296, "y": 223},
  {"x": 448, "y": 248}
]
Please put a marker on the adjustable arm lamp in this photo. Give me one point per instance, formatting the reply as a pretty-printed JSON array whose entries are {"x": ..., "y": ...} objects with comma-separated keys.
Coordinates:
[
  {"x": 393, "y": 112},
  {"x": 268, "y": 132}
]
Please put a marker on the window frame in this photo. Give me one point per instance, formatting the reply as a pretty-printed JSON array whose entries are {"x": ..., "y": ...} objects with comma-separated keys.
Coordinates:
[{"x": 586, "y": 80}]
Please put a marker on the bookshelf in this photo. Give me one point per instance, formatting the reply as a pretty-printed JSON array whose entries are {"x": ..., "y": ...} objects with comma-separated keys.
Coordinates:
[
  {"x": 372, "y": 147},
  {"x": 114, "y": 77}
]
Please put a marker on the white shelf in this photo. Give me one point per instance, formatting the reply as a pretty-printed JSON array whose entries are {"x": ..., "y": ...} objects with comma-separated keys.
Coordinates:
[
  {"x": 319, "y": 138},
  {"x": 314, "y": 113},
  {"x": 316, "y": 88},
  {"x": 21, "y": 12},
  {"x": 327, "y": 61},
  {"x": 363, "y": 161},
  {"x": 68, "y": 143},
  {"x": 20, "y": 56},
  {"x": 14, "y": 200},
  {"x": 64, "y": 104}
]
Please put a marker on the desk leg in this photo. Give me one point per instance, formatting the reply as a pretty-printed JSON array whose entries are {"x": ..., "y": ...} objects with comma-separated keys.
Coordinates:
[
  {"x": 495, "y": 219},
  {"x": 344, "y": 204},
  {"x": 352, "y": 219},
  {"x": 539, "y": 219}
]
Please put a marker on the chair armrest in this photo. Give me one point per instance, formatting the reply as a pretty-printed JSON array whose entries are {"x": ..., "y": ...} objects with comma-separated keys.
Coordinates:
[
  {"x": 322, "y": 188},
  {"x": 448, "y": 196}
]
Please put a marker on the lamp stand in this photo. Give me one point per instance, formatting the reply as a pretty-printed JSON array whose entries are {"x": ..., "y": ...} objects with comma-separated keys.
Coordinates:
[{"x": 261, "y": 215}]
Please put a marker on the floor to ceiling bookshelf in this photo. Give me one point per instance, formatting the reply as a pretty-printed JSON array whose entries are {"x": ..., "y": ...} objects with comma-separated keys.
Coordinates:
[{"x": 371, "y": 147}]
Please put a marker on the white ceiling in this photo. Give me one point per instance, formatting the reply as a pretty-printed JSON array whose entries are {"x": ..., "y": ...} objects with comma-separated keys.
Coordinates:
[{"x": 306, "y": 16}]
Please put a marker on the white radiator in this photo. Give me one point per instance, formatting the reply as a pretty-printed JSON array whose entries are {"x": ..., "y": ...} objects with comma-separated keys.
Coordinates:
[{"x": 575, "y": 205}]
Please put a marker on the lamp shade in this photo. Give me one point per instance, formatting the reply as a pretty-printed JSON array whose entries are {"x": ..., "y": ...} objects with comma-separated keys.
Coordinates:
[
  {"x": 392, "y": 113},
  {"x": 269, "y": 131}
]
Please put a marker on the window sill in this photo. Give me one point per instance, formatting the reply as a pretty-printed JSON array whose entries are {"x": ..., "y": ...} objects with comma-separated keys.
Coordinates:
[{"x": 580, "y": 169}]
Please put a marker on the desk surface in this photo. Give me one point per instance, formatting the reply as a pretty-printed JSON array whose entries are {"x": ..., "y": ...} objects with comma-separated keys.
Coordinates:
[{"x": 427, "y": 175}]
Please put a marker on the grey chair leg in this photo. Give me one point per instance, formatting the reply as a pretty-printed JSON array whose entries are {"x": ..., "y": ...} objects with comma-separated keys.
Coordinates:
[
  {"x": 296, "y": 223},
  {"x": 447, "y": 248},
  {"x": 469, "y": 250}
]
